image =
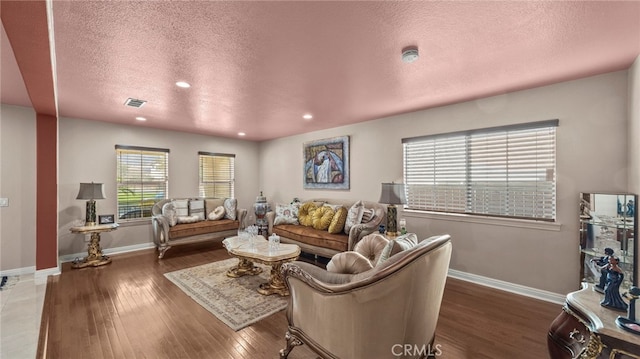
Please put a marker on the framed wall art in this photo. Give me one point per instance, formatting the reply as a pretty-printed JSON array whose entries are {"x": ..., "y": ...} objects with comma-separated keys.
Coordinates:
[{"x": 326, "y": 163}]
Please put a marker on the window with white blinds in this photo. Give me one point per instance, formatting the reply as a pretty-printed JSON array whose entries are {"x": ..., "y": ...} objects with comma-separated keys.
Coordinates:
[
  {"x": 217, "y": 175},
  {"x": 504, "y": 171},
  {"x": 143, "y": 180}
]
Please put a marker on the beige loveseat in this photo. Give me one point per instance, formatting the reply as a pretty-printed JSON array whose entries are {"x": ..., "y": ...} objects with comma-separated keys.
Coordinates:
[
  {"x": 196, "y": 223},
  {"x": 373, "y": 314},
  {"x": 320, "y": 241}
]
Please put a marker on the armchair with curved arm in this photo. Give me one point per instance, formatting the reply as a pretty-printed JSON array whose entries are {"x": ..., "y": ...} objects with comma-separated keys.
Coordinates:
[{"x": 374, "y": 314}]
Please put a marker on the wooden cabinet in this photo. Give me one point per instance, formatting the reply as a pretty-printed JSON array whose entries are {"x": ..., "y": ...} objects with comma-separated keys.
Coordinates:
[{"x": 586, "y": 330}]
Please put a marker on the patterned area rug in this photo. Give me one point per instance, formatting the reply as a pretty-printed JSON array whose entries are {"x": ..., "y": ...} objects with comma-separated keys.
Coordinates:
[{"x": 234, "y": 301}]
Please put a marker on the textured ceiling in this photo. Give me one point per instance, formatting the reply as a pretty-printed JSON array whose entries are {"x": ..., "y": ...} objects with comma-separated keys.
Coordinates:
[{"x": 258, "y": 66}]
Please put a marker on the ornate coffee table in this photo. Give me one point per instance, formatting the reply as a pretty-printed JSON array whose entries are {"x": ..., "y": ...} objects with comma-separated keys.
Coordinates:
[{"x": 261, "y": 253}]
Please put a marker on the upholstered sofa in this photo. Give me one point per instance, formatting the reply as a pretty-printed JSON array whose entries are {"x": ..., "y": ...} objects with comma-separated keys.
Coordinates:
[
  {"x": 362, "y": 218},
  {"x": 183, "y": 220},
  {"x": 372, "y": 314}
]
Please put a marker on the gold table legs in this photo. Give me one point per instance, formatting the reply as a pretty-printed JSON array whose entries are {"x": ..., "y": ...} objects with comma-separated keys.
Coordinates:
[
  {"x": 94, "y": 256},
  {"x": 244, "y": 267},
  {"x": 275, "y": 285}
]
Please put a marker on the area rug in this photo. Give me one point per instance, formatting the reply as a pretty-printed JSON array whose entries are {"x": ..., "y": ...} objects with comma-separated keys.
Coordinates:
[{"x": 234, "y": 301}]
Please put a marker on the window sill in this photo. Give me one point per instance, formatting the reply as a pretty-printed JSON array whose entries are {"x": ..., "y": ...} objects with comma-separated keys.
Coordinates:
[
  {"x": 495, "y": 221},
  {"x": 134, "y": 222}
]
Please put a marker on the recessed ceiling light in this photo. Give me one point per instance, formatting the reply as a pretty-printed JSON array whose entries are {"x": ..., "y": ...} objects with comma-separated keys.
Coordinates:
[
  {"x": 241, "y": 134},
  {"x": 307, "y": 116},
  {"x": 139, "y": 118},
  {"x": 183, "y": 84}
]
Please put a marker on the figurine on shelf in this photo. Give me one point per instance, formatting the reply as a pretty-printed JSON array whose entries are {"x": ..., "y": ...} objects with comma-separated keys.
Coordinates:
[
  {"x": 615, "y": 275},
  {"x": 602, "y": 263}
]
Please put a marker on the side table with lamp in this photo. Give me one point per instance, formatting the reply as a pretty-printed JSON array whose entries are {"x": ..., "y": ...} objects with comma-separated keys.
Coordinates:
[
  {"x": 91, "y": 192},
  {"x": 392, "y": 194}
]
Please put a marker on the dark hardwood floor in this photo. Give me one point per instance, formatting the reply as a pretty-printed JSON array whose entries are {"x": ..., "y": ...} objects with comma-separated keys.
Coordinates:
[{"x": 128, "y": 309}]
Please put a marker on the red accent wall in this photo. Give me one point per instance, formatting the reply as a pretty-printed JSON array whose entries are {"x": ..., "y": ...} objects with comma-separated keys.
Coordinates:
[{"x": 46, "y": 192}]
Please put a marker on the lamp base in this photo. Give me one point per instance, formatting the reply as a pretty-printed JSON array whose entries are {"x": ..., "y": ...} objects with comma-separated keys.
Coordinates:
[
  {"x": 90, "y": 219},
  {"x": 392, "y": 219}
]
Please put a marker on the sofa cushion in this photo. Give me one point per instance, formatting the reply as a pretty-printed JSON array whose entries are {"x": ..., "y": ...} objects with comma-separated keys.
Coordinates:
[
  {"x": 305, "y": 214},
  {"x": 397, "y": 245},
  {"x": 188, "y": 219},
  {"x": 169, "y": 211},
  {"x": 181, "y": 206},
  {"x": 371, "y": 246},
  {"x": 210, "y": 204},
  {"x": 287, "y": 213},
  {"x": 337, "y": 223},
  {"x": 230, "y": 205},
  {"x": 367, "y": 215},
  {"x": 312, "y": 236},
  {"x": 216, "y": 214},
  {"x": 202, "y": 227},
  {"x": 196, "y": 208},
  {"x": 354, "y": 216},
  {"x": 349, "y": 262},
  {"x": 322, "y": 217}
]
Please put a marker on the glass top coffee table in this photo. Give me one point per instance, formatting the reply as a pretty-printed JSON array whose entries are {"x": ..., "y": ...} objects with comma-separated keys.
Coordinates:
[{"x": 261, "y": 252}]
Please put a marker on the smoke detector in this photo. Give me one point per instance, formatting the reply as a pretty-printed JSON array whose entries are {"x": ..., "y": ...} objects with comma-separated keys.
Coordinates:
[{"x": 410, "y": 54}]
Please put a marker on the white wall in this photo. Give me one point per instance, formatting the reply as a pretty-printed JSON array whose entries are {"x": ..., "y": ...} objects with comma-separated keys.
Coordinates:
[
  {"x": 87, "y": 153},
  {"x": 18, "y": 183},
  {"x": 591, "y": 157}
]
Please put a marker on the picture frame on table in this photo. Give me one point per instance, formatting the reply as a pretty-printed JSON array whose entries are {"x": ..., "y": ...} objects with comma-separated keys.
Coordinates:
[{"x": 106, "y": 219}]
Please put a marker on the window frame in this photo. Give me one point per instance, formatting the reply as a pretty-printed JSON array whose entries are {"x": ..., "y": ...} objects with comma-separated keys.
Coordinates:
[
  {"x": 157, "y": 186},
  {"x": 229, "y": 180},
  {"x": 422, "y": 168}
]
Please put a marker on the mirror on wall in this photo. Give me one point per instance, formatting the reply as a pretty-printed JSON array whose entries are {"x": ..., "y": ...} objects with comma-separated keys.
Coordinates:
[{"x": 607, "y": 224}]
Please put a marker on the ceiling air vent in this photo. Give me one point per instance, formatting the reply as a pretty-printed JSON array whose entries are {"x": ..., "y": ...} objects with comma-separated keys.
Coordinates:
[{"x": 132, "y": 102}]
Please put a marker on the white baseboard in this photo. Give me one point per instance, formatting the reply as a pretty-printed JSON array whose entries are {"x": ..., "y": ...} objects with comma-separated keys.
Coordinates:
[
  {"x": 18, "y": 271},
  {"x": 509, "y": 287},
  {"x": 118, "y": 250}
]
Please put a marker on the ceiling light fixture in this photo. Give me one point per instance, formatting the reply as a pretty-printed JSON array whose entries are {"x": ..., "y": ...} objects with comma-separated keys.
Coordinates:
[
  {"x": 140, "y": 118},
  {"x": 307, "y": 116},
  {"x": 241, "y": 134},
  {"x": 410, "y": 54},
  {"x": 183, "y": 84}
]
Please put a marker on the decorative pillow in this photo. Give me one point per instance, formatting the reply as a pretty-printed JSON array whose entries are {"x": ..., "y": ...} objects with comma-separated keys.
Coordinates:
[
  {"x": 349, "y": 262},
  {"x": 169, "y": 211},
  {"x": 217, "y": 214},
  {"x": 286, "y": 214},
  {"x": 181, "y": 206},
  {"x": 322, "y": 217},
  {"x": 337, "y": 223},
  {"x": 367, "y": 215},
  {"x": 196, "y": 208},
  {"x": 188, "y": 219},
  {"x": 334, "y": 207},
  {"x": 305, "y": 214},
  {"x": 354, "y": 216},
  {"x": 210, "y": 204},
  {"x": 230, "y": 205},
  {"x": 371, "y": 246},
  {"x": 401, "y": 243}
]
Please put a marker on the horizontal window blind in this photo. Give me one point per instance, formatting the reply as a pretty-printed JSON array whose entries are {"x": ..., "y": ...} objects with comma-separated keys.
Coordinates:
[
  {"x": 217, "y": 175},
  {"x": 142, "y": 180},
  {"x": 507, "y": 171}
]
